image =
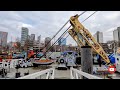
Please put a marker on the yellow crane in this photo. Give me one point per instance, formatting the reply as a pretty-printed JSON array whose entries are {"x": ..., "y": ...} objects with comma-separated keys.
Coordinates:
[{"x": 82, "y": 37}]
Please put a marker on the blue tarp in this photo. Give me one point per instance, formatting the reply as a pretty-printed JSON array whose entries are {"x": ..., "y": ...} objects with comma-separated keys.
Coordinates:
[
  {"x": 64, "y": 53},
  {"x": 39, "y": 54},
  {"x": 111, "y": 57}
]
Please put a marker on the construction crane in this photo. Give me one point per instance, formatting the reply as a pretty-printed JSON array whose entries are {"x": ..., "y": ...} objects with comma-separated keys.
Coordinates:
[{"x": 83, "y": 37}]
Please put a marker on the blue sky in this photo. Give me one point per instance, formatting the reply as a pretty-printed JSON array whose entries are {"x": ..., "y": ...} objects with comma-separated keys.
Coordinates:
[{"x": 47, "y": 23}]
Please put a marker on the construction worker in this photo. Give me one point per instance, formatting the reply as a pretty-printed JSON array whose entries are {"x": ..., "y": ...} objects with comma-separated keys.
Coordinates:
[{"x": 99, "y": 60}]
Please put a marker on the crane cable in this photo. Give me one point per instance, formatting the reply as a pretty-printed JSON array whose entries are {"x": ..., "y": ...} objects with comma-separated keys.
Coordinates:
[
  {"x": 89, "y": 16},
  {"x": 61, "y": 35},
  {"x": 81, "y": 22},
  {"x": 56, "y": 41},
  {"x": 59, "y": 39},
  {"x": 60, "y": 30},
  {"x": 61, "y": 42}
]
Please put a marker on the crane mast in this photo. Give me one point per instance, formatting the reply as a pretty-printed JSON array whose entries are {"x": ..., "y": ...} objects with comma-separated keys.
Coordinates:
[{"x": 83, "y": 37}]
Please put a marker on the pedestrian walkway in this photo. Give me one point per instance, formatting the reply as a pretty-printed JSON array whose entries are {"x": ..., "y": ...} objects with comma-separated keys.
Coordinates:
[{"x": 62, "y": 74}]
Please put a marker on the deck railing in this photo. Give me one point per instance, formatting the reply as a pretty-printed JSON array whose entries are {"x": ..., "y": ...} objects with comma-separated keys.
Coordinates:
[
  {"x": 78, "y": 74},
  {"x": 4, "y": 64},
  {"x": 48, "y": 74}
]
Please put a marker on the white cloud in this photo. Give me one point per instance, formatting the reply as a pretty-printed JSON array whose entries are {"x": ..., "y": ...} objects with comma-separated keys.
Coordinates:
[
  {"x": 110, "y": 30},
  {"x": 47, "y": 23},
  {"x": 26, "y": 25}
]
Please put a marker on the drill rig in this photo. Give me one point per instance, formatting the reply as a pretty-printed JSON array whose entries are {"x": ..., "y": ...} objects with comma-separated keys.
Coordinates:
[{"x": 83, "y": 37}]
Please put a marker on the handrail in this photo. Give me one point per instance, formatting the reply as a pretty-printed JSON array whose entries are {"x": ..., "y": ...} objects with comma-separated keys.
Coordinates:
[
  {"x": 76, "y": 74},
  {"x": 4, "y": 64},
  {"x": 49, "y": 74}
]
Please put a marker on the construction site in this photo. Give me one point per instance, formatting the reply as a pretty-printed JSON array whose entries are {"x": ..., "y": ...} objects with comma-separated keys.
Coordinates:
[{"x": 87, "y": 60}]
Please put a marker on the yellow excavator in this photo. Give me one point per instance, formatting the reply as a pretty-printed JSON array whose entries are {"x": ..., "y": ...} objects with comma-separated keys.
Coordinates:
[{"x": 83, "y": 37}]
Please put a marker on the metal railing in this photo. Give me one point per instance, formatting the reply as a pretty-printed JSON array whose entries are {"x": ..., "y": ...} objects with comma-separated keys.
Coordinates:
[
  {"x": 11, "y": 63},
  {"x": 49, "y": 73},
  {"x": 78, "y": 74},
  {"x": 4, "y": 64}
]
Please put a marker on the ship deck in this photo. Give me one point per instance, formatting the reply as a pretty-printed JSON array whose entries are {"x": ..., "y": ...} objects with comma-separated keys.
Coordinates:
[{"x": 59, "y": 74}]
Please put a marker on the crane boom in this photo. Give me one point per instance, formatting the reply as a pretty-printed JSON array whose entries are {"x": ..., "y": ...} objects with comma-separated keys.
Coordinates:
[{"x": 82, "y": 36}]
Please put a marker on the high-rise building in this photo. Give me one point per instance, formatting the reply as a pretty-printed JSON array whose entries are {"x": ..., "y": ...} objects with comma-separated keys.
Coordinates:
[
  {"x": 32, "y": 37},
  {"x": 38, "y": 38},
  {"x": 47, "y": 42},
  {"x": 36, "y": 46},
  {"x": 62, "y": 41},
  {"x": 39, "y": 41},
  {"x": 116, "y": 34},
  {"x": 24, "y": 35},
  {"x": 29, "y": 37},
  {"x": 31, "y": 41},
  {"x": 3, "y": 38},
  {"x": 47, "y": 39},
  {"x": 98, "y": 36}
]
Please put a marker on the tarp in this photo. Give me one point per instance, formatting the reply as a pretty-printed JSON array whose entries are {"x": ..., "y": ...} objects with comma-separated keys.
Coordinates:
[
  {"x": 31, "y": 53},
  {"x": 64, "y": 53},
  {"x": 111, "y": 58}
]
